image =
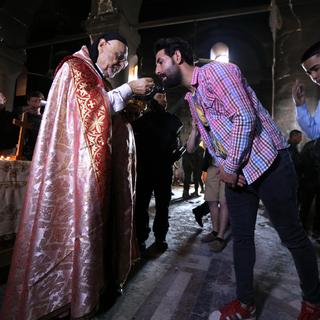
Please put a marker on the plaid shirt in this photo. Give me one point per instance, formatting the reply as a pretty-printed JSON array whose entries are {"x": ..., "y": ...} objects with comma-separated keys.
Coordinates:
[{"x": 236, "y": 128}]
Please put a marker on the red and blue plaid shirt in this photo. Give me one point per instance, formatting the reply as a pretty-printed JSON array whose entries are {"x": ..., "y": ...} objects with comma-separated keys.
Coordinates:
[{"x": 238, "y": 131}]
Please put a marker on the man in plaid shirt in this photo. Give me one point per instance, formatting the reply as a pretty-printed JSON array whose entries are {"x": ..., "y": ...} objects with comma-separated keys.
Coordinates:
[{"x": 254, "y": 163}]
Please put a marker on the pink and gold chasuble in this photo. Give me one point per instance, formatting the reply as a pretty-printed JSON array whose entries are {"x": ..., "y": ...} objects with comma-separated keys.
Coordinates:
[{"x": 58, "y": 256}]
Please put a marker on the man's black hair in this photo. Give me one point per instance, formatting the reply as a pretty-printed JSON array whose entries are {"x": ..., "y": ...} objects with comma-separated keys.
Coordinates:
[
  {"x": 170, "y": 45},
  {"x": 294, "y": 132},
  {"x": 37, "y": 94},
  {"x": 108, "y": 36},
  {"x": 313, "y": 50},
  {"x": 155, "y": 106}
]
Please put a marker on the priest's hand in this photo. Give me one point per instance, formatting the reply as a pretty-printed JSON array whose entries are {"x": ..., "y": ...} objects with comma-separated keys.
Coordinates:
[
  {"x": 141, "y": 86},
  {"x": 298, "y": 93},
  {"x": 232, "y": 179}
]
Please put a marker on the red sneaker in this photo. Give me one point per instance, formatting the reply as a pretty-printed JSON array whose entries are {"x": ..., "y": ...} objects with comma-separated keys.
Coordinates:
[
  {"x": 234, "y": 311},
  {"x": 309, "y": 312}
]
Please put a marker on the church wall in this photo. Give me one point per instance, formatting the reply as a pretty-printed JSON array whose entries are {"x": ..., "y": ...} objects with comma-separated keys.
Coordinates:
[
  {"x": 248, "y": 36},
  {"x": 299, "y": 30}
]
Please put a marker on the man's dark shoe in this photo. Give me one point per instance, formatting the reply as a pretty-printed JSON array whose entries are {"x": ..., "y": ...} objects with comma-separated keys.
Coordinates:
[
  {"x": 218, "y": 245},
  {"x": 155, "y": 250},
  {"x": 161, "y": 246},
  {"x": 201, "y": 211},
  {"x": 209, "y": 237},
  {"x": 198, "y": 216}
]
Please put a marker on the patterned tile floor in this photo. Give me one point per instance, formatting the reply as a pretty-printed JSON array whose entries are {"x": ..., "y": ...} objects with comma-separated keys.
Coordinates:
[{"x": 188, "y": 281}]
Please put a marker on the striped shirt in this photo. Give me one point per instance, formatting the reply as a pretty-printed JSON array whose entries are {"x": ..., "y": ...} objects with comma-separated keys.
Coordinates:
[{"x": 238, "y": 131}]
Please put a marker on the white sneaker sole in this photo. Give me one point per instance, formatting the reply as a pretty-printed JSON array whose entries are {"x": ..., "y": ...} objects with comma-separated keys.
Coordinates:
[{"x": 217, "y": 314}]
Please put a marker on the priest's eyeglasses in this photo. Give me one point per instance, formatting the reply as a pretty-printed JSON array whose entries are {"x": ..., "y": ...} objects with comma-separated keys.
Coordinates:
[{"x": 122, "y": 59}]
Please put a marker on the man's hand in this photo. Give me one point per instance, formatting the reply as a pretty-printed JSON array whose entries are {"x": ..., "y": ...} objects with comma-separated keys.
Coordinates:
[
  {"x": 298, "y": 93},
  {"x": 193, "y": 139},
  {"x": 233, "y": 179},
  {"x": 141, "y": 86},
  {"x": 204, "y": 176}
]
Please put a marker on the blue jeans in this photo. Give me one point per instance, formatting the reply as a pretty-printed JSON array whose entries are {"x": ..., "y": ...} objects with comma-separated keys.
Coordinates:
[{"x": 277, "y": 188}]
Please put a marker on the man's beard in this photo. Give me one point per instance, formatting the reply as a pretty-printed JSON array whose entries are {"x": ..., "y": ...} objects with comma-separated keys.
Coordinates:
[{"x": 173, "y": 77}]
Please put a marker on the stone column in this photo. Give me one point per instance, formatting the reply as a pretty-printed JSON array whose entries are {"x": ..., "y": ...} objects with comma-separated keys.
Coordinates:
[
  {"x": 298, "y": 31},
  {"x": 107, "y": 15}
]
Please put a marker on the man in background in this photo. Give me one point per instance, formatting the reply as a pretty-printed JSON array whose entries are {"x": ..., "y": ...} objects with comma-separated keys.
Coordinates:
[
  {"x": 310, "y": 62},
  {"x": 156, "y": 133},
  {"x": 33, "y": 109}
]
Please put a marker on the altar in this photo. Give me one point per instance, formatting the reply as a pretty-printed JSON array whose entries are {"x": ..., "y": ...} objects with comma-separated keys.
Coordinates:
[{"x": 13, "y": 183}]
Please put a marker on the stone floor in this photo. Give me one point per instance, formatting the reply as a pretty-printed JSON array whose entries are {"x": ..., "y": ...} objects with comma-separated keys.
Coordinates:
[{"x": 188, "y": 281}]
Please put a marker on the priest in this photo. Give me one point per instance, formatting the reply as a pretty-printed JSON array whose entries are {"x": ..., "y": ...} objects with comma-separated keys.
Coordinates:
[{"x": 59, "y": 259}]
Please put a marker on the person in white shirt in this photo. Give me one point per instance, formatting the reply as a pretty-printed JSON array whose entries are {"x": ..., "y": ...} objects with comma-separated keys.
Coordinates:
[{"x": 310, "y": 62}]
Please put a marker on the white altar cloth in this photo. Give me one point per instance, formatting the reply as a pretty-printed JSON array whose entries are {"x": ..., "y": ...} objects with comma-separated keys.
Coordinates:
[{"x": 13, "y": 183}]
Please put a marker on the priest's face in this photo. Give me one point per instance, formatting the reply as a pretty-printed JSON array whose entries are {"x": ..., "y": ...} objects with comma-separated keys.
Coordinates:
[
  {"x": 168, "y": 70},
  {"x": 112, "y": 57},
  {"x": 312, "y": 67}
]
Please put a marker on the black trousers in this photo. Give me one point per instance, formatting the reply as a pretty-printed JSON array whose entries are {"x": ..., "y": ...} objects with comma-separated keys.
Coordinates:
[
  {"x": 157, "y": 181},
  {"x": 277, "y": 188},
  {"x": 308, "y": 192}
]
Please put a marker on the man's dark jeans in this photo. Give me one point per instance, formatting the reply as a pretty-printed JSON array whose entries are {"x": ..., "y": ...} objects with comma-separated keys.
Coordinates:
[
  {"x": 158, "y": 180},
  {"x": 277, "y": 188}
]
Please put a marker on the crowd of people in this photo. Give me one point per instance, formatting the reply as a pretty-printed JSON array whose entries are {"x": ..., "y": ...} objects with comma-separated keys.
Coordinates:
[{"x": 98, "y": 155}]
